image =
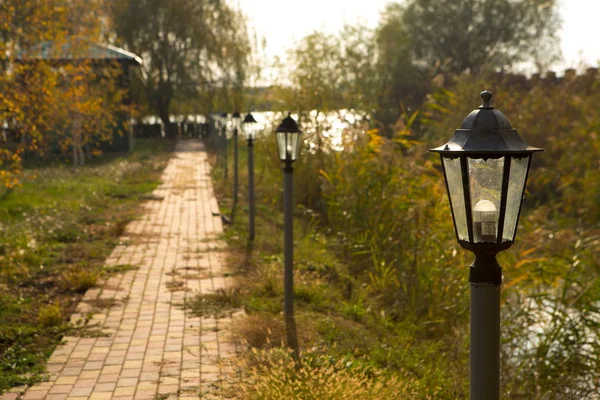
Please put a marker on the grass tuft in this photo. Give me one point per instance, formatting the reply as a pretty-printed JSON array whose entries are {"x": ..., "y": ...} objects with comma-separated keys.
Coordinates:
[
  {"x": 79, "y": 280},
  {"x": 50, "y": 315},
  {"x": 222, "y": 303}
]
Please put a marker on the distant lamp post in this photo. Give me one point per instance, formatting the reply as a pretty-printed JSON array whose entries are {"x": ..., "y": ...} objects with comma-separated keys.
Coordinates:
[
  {"x": 236, "y": 118},
  {"x": 225, "y": 117},
  {"x": 485, "y": 166},
  {"x": 288, "y": 143},
  {"x": 250, "y": 128},
  {"x": 217, "y": 138}
]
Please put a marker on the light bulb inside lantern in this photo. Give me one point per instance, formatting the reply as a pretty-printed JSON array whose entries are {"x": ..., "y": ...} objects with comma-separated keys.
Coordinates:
[{"x": 485, "y": 217}]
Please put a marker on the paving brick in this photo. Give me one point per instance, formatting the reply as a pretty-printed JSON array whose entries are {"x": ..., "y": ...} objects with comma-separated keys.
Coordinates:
[
  {"x": 80, "y": 392},
  {"x": 124, "y": 391},
  {"x": 111, "y": 369},
  {"x": 31, "y": 395},
  {"x": 127, "y": 382},
  {"x": 85, "y": 383},
  {"x": 100, "y": 396},
  {"x": 56, "y": 397},
  {"x": 145, "y": 395},
  {"x": 131, "y": 372},
  {"x": 74, "y": 371},
  {"x": 89, "y": 374},
  {"x": 66, "y": 380},
  {"x": 105, "y": 387},
  {"x": 93, "y": 366},
  {"x": 60, "y": 389}
]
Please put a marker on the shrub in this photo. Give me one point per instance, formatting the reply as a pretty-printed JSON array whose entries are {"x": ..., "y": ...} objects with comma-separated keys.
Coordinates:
[
  {"x": 79, "y": 280},
  {"x": 50, "y": 315},
  {"x": 274, "y": 375}
]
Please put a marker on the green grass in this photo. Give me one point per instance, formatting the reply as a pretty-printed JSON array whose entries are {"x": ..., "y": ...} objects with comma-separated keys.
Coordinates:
[
  {"x": 340, "y": 313},
  {"x": 56, "y": 229},
  {"x": 380, "y": 280}
]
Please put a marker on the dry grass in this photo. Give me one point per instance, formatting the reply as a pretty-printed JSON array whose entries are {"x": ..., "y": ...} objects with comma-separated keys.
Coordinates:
[
  {"x": 274, "y": 375},
  {"x": 222, "y": 303},
  {"x": 265, "y": 331}
]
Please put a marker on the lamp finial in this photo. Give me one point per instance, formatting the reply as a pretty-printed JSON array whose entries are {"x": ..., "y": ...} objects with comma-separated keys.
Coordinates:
[{"x": 486, "y": 96}]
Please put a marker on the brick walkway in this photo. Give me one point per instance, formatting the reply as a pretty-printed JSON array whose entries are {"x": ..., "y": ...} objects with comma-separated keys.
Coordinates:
[{"x": 148, "y": 348}]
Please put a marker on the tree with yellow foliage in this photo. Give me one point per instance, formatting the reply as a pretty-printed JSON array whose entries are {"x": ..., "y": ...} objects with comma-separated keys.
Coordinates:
[{"x": 52, "y": 95}]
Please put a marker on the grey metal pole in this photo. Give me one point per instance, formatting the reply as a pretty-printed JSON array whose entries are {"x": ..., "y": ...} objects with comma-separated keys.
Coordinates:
[
  {"x": 251, "y": 186},
  {"x": 288, "y": 255},
  {"x": 217, "y": 138},
  {"x": 225, "y": 163},
  {"x": 235, "y": 173},
  {"x": 484, "y": 361}
]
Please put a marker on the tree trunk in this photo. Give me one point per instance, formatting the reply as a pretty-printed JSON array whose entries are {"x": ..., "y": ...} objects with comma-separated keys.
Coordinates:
[
  {"x": 78, "y": 156},
  {"x": 81, "y": 156},
  {"x": 163, "y": 101}
]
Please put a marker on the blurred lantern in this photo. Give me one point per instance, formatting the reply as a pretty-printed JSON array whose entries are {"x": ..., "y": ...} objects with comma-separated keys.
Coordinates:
[
  {"x": 288, "y": 143},
  {"x": 250, "y": 127},
  {"x": 288, "y": 139},
  {"x": 224, "y": 121},
  {"x": 250, "y": 130},
  {"x": 236, "y": 118}
]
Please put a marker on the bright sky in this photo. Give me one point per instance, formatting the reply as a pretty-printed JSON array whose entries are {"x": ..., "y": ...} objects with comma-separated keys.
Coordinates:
[
  {"x": 281, "y": 22},
  {"x": 579, "y": 38}
]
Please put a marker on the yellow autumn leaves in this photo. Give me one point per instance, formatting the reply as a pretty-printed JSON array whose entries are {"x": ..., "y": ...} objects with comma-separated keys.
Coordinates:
[{"x": 49, "y": 105}]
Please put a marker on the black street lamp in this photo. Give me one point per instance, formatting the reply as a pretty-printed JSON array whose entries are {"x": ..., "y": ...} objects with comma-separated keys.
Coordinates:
[
  {"x": 485, "y": 166},
  {"x": 236, "y": 118},
  {"x": 250, "y": 128},
  {"x": 288, "y": 142}
]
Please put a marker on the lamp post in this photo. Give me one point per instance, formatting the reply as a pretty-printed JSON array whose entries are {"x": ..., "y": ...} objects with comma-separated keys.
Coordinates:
[
  {"x": 217, "y": 125},
  {"x": 224, "y": 143},
  {"x": 236, "y": 118},
  {"x": 485, "y": 166},
  {"x": 250, "y": 130},
  {"x": 288, "y": 142}
]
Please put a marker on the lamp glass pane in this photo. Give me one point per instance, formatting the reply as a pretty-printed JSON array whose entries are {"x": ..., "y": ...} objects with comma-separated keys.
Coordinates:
[
  {"x": 295, "y": 145},
  {"x": 516, "y": 187},
  {"x": 250, "y": 129},
  {"x": 288, "y": 145},
  {"x": 282, "y": 145},
  {"x": 457, "y": 196},
  {"x": 485, "y": 187}
]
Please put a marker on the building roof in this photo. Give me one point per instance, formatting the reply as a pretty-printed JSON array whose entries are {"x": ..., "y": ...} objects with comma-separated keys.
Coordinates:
[{"x": 79, "y": 49}]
